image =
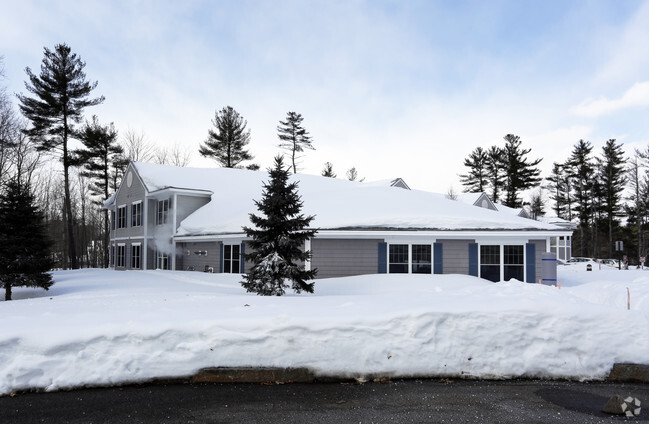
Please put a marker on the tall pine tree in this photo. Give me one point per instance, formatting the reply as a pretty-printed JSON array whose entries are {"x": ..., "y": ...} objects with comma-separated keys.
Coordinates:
[
  {"x": 277, "y": 239},
  {"x": 520, "y": 174},
  {"x": 24, "y": 246},
  {"x": 560, "y": 192},
  {"x": 100, "y": 158},
  {"x": 476, "y": 178},
  {"x": 61, "y": 93},
  {"x": 581, "y": 170},
  {"x": 495, "y": 174},
  {"x": 294, "y": 137},
  {"x": 612, "y": 175},
  {"x": 227, "y": 142}
]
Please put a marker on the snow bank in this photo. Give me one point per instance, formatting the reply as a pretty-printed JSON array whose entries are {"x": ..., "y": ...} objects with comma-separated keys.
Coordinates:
[{"x": 101, "y": 327}]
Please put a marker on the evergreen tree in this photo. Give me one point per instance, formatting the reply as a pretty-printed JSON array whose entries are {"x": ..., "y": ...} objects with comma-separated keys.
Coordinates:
[
  {"x": 537, "y": 204},
  {"x": 278, "y": 238},
  {"x": 60, "y": 97},
  {"x": 612, "y": 176},
  {"x": 476, "y": 178},
  {"x": 520, "y": 174},
  {"x": 495, "y": 174},
  {"x": 328, "y": 170},
  {"x": 352, "y": 174},
  {"x": 635, "y": 208},
  {"x": 227, "y": 141},
  {"x": 560, "y": 191},
  {"x": 581, "y": 171},
  {"x": 293, "y": 137},
  {"x": 24, "y": 247},
  {"x": 100, "y": 157}
]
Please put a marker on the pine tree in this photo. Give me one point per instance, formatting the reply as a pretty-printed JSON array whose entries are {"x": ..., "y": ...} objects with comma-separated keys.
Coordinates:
[
  {"x": 476, "y": 179},
  {"x": 495, "y": 174},
  {"x": 520, "y": 174},
  {"x": 581, "y": 170},
  {"x": 278, "y": 238},
  {"x": 537, "y": 204},
  {"x": 328, "y": 170},
  {"x": 227, "y": 141},
  {"x": 24, "y": 247},
  {"x": 560, "y": 191},
  {"x": 61, "y": 95},
  {"x": 293, "y": 137},
  {"x": 612, "y": 176},
  {"x": 100, "y": 157}
]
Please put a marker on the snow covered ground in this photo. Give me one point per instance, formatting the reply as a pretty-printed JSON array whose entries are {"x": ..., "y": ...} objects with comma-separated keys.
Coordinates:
[{"x": 100, "y": 327}]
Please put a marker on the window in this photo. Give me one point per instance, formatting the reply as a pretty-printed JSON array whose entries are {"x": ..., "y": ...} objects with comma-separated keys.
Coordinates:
[
  {"x": 112, "y": 220},
  {"x": 231, "y": 258},
  {"x": 121, "y": 216},
  {"x": 112, "y": 254},
  {"x": 136, "y": 214},
  {"x": 421, "y": 259},
  {"x": 121, "y": 254},
  {"x": 490, "y": 263},
  {"x": 162, "y": 260},
  {"x": 162, "y": 212},
  {"x": 398, "y": 259},
  {"x": 513, "y": 262},
  {"x": 136, "y": 256}
]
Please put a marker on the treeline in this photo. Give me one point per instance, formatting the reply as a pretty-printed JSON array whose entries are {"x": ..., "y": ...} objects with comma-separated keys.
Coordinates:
[
  {"x": 68, "y": 185},
  {"x": 605, "y": 194}
]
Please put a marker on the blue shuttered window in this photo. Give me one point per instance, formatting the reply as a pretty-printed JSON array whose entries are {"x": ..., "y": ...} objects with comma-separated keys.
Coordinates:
[
  {"x": 530, "y": 262},
  {"x": 221, "y": 257},
  {"x": 438, "y": 258},
  {"x": 383, "y": 258},
  {"x": 473, "y": 259},
  {"x": 242, "y": 263}
]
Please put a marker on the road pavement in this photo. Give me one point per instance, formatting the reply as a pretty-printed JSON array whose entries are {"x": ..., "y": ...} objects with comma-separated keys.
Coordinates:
[{"x": 398, "y": 401}]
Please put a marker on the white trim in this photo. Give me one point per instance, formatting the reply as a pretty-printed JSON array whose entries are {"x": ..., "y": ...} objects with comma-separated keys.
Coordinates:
[{"x": 402, "y": 235}]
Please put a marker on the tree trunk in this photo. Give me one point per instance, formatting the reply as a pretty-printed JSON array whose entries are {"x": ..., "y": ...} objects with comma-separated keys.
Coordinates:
[
  {"x": 72, "y": 250},
  {"x": 7, "y": 290}
]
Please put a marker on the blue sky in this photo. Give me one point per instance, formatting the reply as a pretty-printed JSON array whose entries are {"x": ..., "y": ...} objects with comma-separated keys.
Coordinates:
[{"x": 395, "y": 88}]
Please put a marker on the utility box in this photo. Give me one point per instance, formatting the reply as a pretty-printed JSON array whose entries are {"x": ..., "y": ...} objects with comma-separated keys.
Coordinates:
[{"x": 549, "y": 268}]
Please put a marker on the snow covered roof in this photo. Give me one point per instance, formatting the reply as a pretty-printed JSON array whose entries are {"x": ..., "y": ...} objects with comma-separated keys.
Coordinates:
[
  {"x": 517, "y": 212},
  {"x": 336, "y": 203},
  {"x": 479, "y": 199}
]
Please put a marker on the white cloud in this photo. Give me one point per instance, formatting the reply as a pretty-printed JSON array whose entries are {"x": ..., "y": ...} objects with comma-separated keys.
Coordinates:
[{"x": 636, "y": 96}]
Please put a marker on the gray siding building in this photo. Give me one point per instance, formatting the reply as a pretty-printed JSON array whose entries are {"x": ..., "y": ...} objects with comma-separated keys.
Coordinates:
[{"x": 191, "y": 219}]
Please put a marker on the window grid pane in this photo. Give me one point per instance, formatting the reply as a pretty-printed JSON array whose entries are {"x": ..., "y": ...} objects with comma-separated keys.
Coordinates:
[
  {"x": 421, "y": 259},
  {"x": 398, "y": 258}
]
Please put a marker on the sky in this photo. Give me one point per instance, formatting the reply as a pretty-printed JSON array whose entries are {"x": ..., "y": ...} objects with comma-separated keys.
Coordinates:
[{"x": 394, "y": 88}]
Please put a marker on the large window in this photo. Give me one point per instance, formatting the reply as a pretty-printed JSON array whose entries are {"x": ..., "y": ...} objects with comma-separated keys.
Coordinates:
[
  {"x": 121, "y": 255},
  {"x": 136, "y": 214},
  {"x": 231, "y": 258},
  {"x": 121, "y": 216},
  {"x": 136, "y": 256},
  {"x": 513, "y": 261},
  {"x": 162, "y": 260},
  {"x": 398, "y": 259},
  {"x": 162, "y": 212},
  {"x": 421, "y": 259},
  {"x": 490, "y": 262}
]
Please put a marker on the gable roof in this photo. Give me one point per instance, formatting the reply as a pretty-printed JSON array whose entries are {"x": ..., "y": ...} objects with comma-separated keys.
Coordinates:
[
  {"x": 479, "y": 199},
  {"x": 336, "y": 203}
]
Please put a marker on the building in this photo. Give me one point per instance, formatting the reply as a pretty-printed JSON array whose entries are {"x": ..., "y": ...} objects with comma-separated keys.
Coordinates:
[{"x": 166, "y": 217}]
